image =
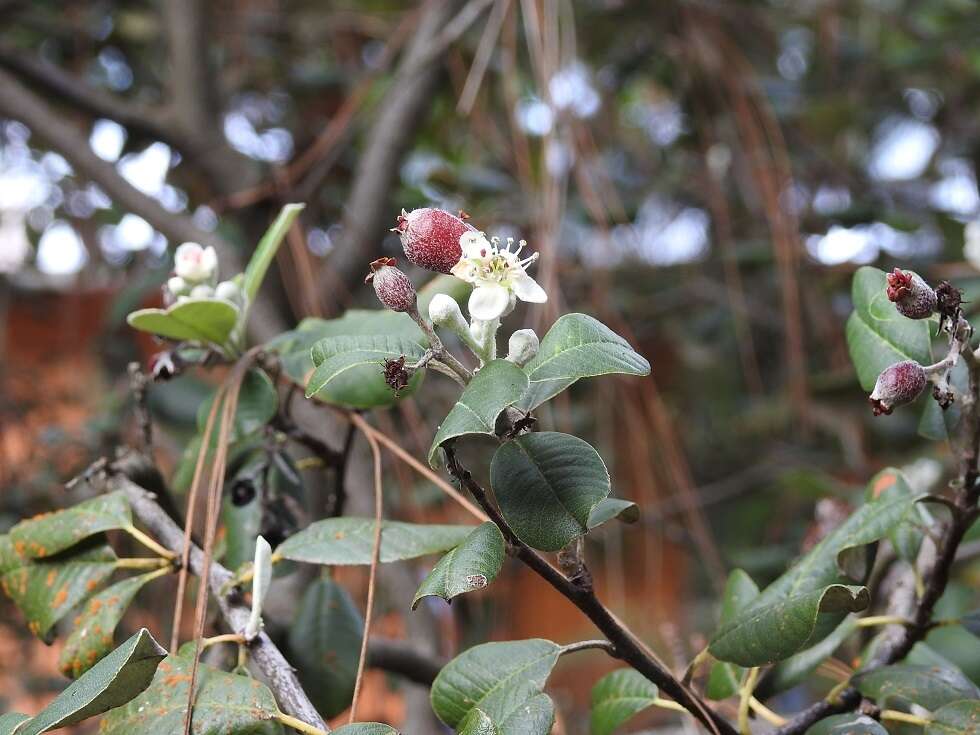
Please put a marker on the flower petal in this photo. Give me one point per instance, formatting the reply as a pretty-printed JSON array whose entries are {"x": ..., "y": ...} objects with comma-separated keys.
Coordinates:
[
  {"x": 463, "y": 270},
  {"x": 527, "y": 289},
  {"x": 474, "y": 244},
  {"x": 488, "y": 302}
]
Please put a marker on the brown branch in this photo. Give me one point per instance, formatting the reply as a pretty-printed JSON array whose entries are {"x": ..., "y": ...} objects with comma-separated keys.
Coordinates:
[
  {"x": 19, "y": 103},
  {"x": 626, "y": 646},
  {"x": 270, "y": 661}
]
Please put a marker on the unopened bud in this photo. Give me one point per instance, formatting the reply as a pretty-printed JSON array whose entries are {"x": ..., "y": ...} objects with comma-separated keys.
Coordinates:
[
  {"x": 897, "y": 385},
  {"x": 261, "y": 578},
  {"x": 394, "y": 289},
  {"x": 445, "y": 312},
  {"x": 203, "y": 291},
  {"x": 913, "y": 297},
  {"x": 229, "y": 291},
  {"x": 430, "y": 238},
  {"x": 194, "y": 263},
  {"x": 176, "y": 286},
  {"x": 522, "y": 347}
]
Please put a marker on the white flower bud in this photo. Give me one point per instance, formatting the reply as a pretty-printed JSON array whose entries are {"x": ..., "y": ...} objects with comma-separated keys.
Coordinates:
[
  {"x": 445, "y": 312},
  {"x": 261, "y": 577},
  {"x": 202, "y": 291},
  {"x": 522, "y": 347},
  {"x": 176, "y": 285},
  {"x": 194, "y": 263},
  {"x": 229, "y": 291}
]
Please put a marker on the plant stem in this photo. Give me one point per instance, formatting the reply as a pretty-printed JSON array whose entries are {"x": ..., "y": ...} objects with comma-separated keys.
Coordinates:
[
  {"x": 226, "y": 638},
  {"x": 873, "y": 620},
  {"x": 149, "y": 543},
  {"x": 436, "y": 345},
  {"x": 896, "y": 716},
  {"x": 299, "y": 725},
  {"x": 745, "y": 694},
  {"x": 134, "y": 563},
  {"x": 587, "y": 645},
  {"x": 765, "y": 713},
  {"x": 669, "y": 704}
]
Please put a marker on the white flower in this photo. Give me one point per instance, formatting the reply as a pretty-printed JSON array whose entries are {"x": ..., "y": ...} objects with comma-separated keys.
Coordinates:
[
  {"x": 496, "y": 274},
  {"x": 261, "y": 577},
  {"x": 194, "y": 263}
]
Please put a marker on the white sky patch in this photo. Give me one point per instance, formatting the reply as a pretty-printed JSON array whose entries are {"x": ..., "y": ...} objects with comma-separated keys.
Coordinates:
[
  {"x": 147, "y": 170},
  {"x": 60, "y": 252},
  {"x": 956, "y": 191},
  {"x": 107, "y": 140},
  {"x": 863, "y": 243},
  {"x": 535, "y": 116},
  {"x": 903, "y": 149},
  {"x": 273, "y": 144},
  {"x": 665, "y": 233},
  {"x": 571, "y": 89}
]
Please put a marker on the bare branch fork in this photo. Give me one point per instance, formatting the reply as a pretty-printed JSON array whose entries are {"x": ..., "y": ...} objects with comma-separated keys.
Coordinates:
[{"x": 625, "y": 645}]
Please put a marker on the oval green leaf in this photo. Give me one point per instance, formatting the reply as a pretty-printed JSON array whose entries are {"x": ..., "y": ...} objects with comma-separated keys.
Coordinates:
[
  {"x": 497, "y": 678},
  {"x": 931, "y": 687},
  {"x": 608, "y": 508},
  {"x": 366, "y": 728},
  {"x": 350, "y": 540},
  {"x": 112, "y": 682},
  {"x": 10, "y": 722},
  {"x": 957, "y": 718},
  {"x": 193, "y": 320},
  {"x": 547, "y": 485},
  {"x": 470, "y": 566},
  {"x": 496, "y": 386},
  {"x": 578, "y": 346},
  {"x": 52, "y": 533},
  {"x": 617, "y": 697},
  {"x": 477, "y": 722},
  {"x": 740, "y": 592},
  {"x": 848, "y": 724}
]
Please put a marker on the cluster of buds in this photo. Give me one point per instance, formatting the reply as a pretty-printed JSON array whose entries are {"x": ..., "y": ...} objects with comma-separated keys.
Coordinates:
[{"x": 196, "y": 277}]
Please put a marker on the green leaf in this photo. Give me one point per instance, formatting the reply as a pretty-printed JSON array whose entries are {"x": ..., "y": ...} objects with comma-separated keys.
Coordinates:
[
  {"x": 223, "y": 703},
  {"x": 350, "y": 540},
  {"x": 52, "y": 533},
  {"x": 325, "y": 643},
  {"x": 295, "y": 347},
  {"x": 350, "y": 370},
  {"x": 496, "y": 386},
  {"x": 795, "y": 669},
  {"x": 928, "y": 686},
  {"x": 578, "y": 346},
  {"x": 907, "y": 536},
  {"x": 618, "y": 696},
  {"x": 45, "y": 590},
  {"x": 195, "y": 320},
  {"x": 10, "y": 721},
  {"x": 366, "y": 728},
  {"x": 807, "y": 602},
  {"x": 956, "y": 718},
  {"x": 92, "y": 637},
  {"x": 112, "y": 682},
  {"x": 849, "y": 724},
  {"x": 257, "y": 404},
  {"x": 877, "y": 335},
  {"x": 740, "y": 591},
  {"x": 608, "y": 508},
  {"x": 477, "y": 723},
  {"x": 498, "y": 678},
  {"x": 547, "y": 485},
  {"x": 265, "y": 251},
  {"x": 535, "y": 717},
  {"x": 470, "y": 566}
]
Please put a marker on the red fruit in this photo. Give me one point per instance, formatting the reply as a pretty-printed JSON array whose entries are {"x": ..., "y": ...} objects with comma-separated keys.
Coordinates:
[
  {"x": 394, "y": 289},
  {"x": 897, "y": 385},
  {"x": 430, "y": 238},
  {"x": 913, "y": 297}
]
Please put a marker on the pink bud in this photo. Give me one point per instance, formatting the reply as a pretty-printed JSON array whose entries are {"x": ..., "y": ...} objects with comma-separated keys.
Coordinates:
[
  {"x": 430, "y": 238},
  {"x": 897, "y": 385},
  {"x": 913, "y": 297},
  {"x": 393, "y": 287}
]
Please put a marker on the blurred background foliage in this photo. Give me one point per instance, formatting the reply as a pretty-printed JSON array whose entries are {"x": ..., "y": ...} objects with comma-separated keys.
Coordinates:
[{"x": 703, "y": 176}]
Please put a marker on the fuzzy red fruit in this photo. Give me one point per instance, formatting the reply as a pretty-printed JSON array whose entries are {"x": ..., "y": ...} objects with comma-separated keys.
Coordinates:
[
  {"x": 913, "y": 297},
  {"x": 897, "y": 385},
  {"x": 394, "y": 289},
  {"x": 430, "y": 238}
]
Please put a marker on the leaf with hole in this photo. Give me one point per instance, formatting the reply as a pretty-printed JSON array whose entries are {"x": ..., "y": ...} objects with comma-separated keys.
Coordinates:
[
  {"x": 91, "y": 638},
  {"x": 740, "y": 591},
  {"x": 325, "y": 645},
  {"x": 848, "y": 724},
  {"x": 265, "y": 251},
  {"x": 617, "y": 697},
  {"x": 496, "y": 386},
  {"x": 547, "y": 485},
  {"x": 45, "y": 590},
  {"x": 927, "y": 686},
  {"x": 350, "y": 370},
  {"x": 578, "y": 346},
  {"x": 470, "y": 566},
  {"x": 811, "y": 599},
  {"x": 190, "y": 320},
  {"x": 52, "y": 533},
  {"x": 350, "y": 540},
  {"x": 497, "y": 678},
  {"x": 956, "y": 718},
  {"x": 223, "y": 703},
  {"x": 112, "y": 682}
]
